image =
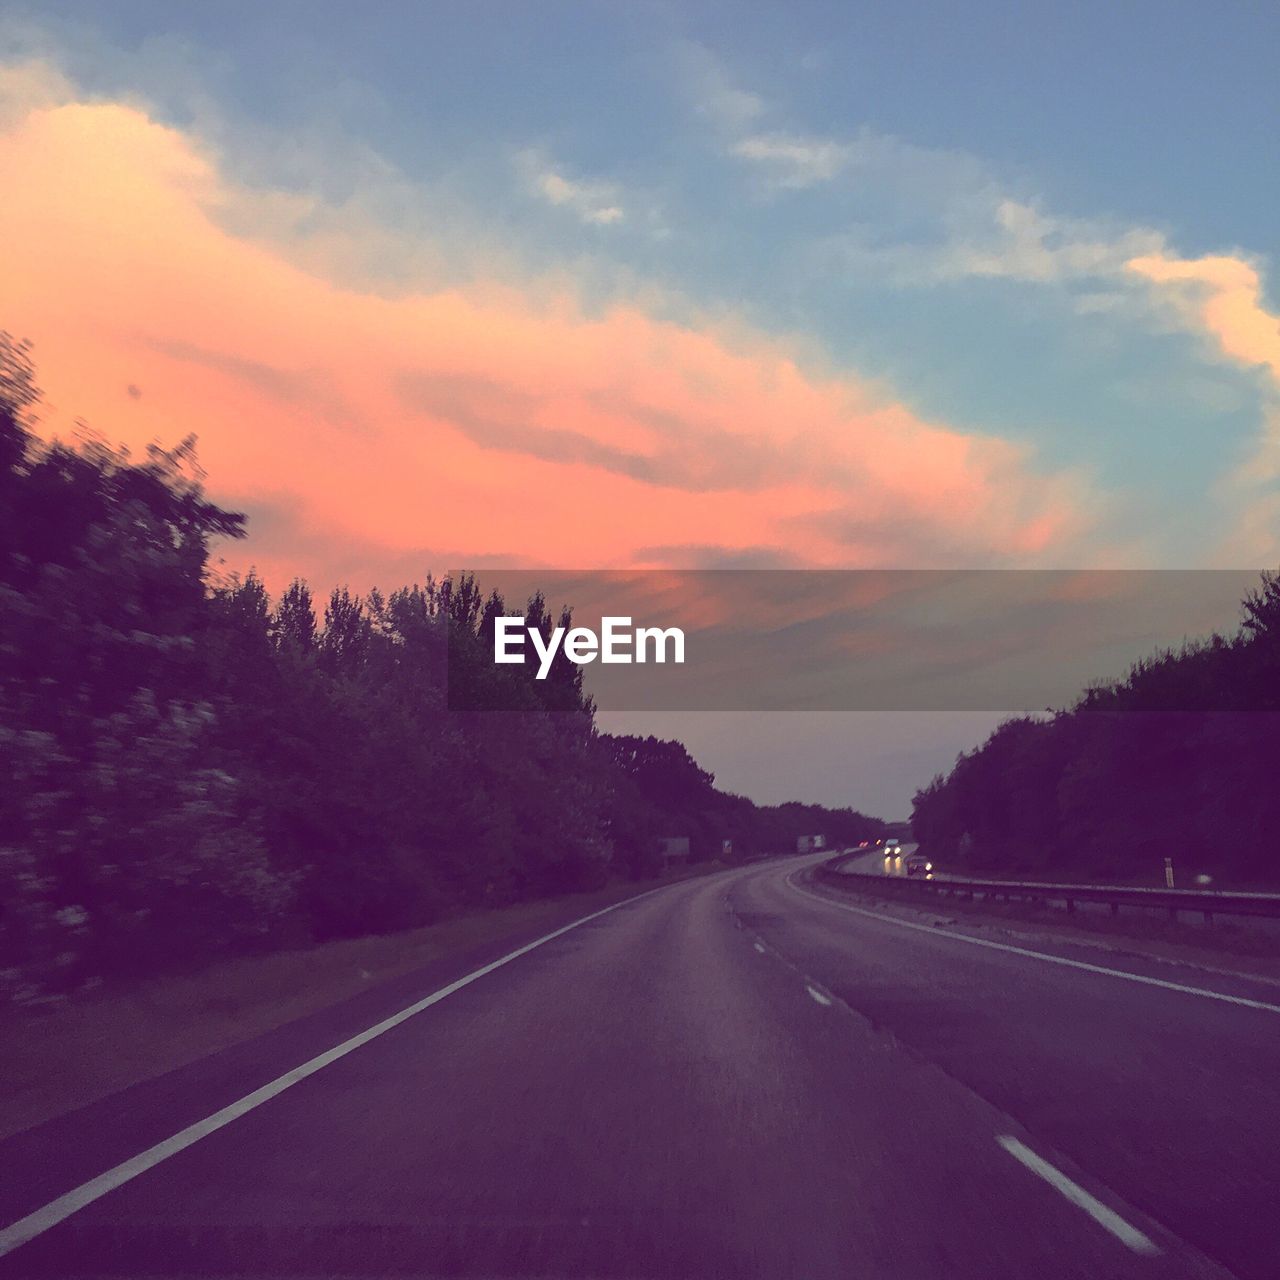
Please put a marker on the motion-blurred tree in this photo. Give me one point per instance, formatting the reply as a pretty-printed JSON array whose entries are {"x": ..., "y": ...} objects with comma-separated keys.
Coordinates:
[{"x": 194, "y": 770}]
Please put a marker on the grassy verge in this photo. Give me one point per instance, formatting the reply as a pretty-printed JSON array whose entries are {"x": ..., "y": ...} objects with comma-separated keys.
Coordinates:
[{"x": 96, "y": 1044}]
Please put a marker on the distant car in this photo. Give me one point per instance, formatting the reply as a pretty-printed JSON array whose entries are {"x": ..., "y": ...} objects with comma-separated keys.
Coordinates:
[
  {"x": 919, "y": 865},
  {"x": 862, "y": 844}
]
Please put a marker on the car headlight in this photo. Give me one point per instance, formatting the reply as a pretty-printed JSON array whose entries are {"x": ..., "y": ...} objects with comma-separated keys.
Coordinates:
[{"x": 928, "y": 866}]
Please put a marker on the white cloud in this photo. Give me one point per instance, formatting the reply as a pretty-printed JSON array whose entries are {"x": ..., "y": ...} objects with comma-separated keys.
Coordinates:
[
  {"x": 732, "y": 106},
  {"x": 1023, "y": 243},
  {"x": 796, "y": 161},
  {"x": 715, "y": 95},
  {"x": 596, "y": 203}
]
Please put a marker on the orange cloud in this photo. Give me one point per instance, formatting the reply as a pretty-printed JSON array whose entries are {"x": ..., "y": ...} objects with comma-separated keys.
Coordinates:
[
  {"x": 372, "y": 438},
  {"x": 1221, "y": 296},
  {"x": 1224, "y": 294}
]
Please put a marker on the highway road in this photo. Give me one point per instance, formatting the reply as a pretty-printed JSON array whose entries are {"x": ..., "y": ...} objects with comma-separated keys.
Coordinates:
[{"x": 735, "y": 1076}]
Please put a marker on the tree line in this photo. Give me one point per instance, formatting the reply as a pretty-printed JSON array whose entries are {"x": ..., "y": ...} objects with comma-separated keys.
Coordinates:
[
  {"x": 193, "y": 767},
  {"x": 1178, "y": 758}
]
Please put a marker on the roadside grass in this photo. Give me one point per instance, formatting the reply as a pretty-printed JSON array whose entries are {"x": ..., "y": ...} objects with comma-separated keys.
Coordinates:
[{"x": 57, "y": 1059}]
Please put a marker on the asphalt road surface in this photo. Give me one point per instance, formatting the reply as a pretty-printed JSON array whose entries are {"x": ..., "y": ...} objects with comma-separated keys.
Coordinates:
[{"x": 737, "y": 1076}]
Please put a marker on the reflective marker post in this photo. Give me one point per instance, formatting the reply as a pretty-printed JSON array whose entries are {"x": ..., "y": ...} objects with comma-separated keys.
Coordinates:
[{"x": 1168, "y": 873}]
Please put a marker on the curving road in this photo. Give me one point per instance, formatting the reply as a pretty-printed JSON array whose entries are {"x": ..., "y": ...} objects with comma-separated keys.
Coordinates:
[{"x": 737, "y": 1076}]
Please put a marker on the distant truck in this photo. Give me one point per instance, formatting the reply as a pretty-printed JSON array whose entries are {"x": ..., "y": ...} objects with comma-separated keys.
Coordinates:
[{"x": 810, "y": 844}]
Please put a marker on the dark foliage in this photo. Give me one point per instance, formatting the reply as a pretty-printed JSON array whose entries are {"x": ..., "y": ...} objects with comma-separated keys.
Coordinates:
[
  {"x": 1179, "y": 759},
  {"x": 194, "y": 769}
]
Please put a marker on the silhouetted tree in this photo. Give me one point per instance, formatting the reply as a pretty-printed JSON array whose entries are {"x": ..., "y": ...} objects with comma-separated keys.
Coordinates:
[
  {"x": 194, "y": 770},
  {"x": 293, "y": 625},
  {"x": 1177, "y": 758}
]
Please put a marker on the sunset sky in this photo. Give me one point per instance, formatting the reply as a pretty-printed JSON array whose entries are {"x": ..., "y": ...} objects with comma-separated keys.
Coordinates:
[{"x": 667, "y": 285}]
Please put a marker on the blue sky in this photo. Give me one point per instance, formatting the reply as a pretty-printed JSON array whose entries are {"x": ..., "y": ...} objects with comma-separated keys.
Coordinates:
[{"x": 1146, "y": 110}]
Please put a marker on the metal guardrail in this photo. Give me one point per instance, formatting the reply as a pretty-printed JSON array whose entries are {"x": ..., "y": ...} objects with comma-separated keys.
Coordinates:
[{"x": 1209, "y": 903}]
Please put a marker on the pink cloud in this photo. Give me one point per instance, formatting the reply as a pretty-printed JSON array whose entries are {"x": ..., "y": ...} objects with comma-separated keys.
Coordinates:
[{"x": 490, "y": 422}]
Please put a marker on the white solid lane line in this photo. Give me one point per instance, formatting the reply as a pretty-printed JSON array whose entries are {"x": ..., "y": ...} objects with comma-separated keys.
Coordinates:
[
  {"x": 1104, "y": 1217},
  {"x": 1242, "y": 1001},
  {"x": 56, "y": 1211},
  {"x": 817, "y": 995}
]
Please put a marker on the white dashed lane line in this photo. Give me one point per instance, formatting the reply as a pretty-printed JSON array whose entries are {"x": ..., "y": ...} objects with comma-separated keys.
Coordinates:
[{"x": 1104, "y": 1217}]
